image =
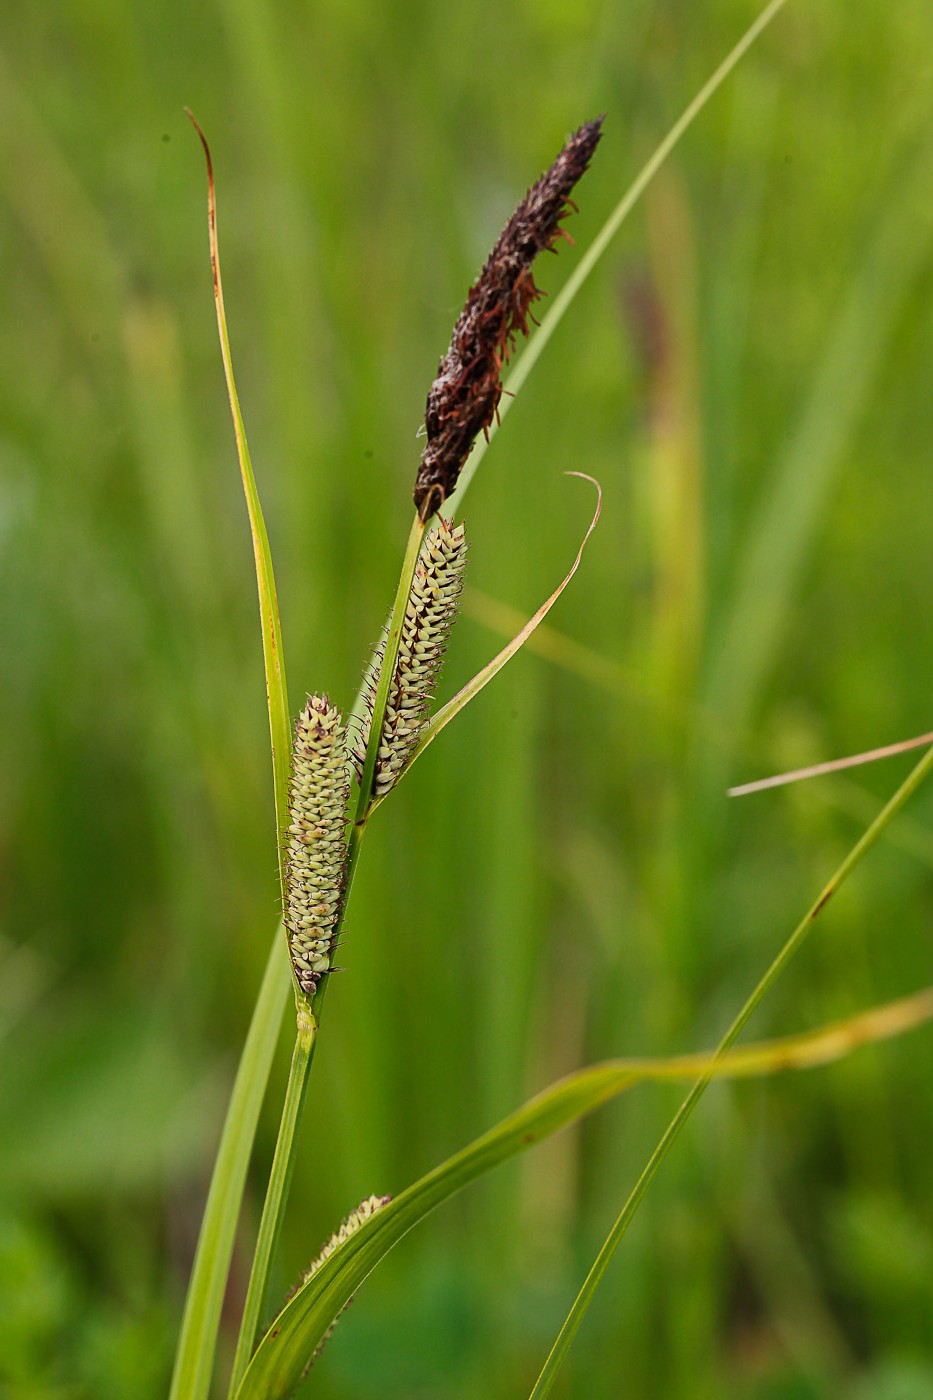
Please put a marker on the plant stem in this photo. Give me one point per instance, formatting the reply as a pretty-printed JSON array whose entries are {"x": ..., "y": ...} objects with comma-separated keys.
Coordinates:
[
  {"x": 283, "y": 1162},
  {"x": 194, "y": 1359},
  {"x": 273, "y": 1209}
]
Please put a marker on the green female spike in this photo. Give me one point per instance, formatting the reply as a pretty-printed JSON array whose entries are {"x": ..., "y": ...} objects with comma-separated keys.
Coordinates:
[{"x": 316, "y": 846}]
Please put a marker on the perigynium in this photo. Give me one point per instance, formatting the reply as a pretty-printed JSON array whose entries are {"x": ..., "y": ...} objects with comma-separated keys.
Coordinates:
[
  {"x": 316, "y": 848},
  {"x": 433, "y": 601}
]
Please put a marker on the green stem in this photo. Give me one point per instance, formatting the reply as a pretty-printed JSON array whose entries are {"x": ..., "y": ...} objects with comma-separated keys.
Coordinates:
[
  {"x": 273, "y": 1210},
  {"x": 194, "y": 1359},
  {"x": 601, "y": 1263},
  {"x": 283, "y": 1162}
]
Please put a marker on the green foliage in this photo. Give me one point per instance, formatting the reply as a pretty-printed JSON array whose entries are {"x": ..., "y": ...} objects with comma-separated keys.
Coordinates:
[
  {"x": 747, "y": 373},
  {"x": 304, "y": 1324}
]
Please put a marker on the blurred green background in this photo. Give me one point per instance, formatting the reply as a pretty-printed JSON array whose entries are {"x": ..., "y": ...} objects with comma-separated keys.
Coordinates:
[{"x": 563, "y": 878}]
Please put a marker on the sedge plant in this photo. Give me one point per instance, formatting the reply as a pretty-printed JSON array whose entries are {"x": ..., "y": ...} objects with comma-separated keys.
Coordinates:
[{"x": 333, "y": 771}]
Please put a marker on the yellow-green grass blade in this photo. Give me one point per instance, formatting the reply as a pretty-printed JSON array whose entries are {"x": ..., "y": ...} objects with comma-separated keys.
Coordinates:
[
  {"x": 272, "y": 650},
  {"x": 302, "y": 1325},
  {"x": 597, "y": 1272},
  {"x": 194, "y": 1359},
  {"x": 565, "y": 298}
]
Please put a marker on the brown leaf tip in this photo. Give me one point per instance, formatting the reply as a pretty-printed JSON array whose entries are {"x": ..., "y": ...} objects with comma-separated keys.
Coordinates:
[{"x": 465, "y": 395}]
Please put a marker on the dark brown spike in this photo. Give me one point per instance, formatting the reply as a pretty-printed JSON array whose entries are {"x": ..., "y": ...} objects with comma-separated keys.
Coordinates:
[{"x": 465, "y": 394}]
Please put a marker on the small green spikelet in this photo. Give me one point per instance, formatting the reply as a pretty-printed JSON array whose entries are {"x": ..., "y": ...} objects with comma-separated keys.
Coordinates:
[
  {"x": 354, "y": 1220},
  {"x": 432, "y": 609},
  {"x": 349, "y": 1227},
  {"x": 316, "y": 850}
]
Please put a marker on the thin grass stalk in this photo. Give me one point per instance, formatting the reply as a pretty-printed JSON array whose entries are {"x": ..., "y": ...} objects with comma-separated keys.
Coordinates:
[
  {"x": 830, "y": 766},
  {"x": 194, "y": 1359},
  {"x": 273, "y": 1210},
  {"x": 574, "y": 1318}
]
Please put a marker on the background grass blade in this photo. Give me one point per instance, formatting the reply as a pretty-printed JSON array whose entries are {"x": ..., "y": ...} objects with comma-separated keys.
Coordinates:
[
  {"x": 301, "y": 1327},
  {"x": 793, "y": 505}
]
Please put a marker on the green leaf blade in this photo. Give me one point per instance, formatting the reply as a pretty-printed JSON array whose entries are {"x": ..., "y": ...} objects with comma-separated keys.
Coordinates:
[
  {"x": 272, "y": 646},
  {"x": 300, "y": 1328}
]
